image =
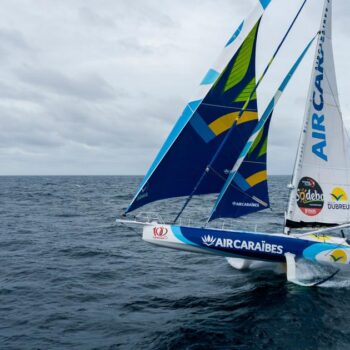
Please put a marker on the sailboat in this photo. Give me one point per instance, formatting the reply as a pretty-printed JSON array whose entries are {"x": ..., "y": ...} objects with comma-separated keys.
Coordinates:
[{"x": 219, "y": 146}]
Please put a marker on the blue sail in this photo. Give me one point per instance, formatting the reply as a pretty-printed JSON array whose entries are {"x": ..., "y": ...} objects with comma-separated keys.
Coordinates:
[
  {"x": 246, "y": 190},
  {"x": 201, "y": 129}
]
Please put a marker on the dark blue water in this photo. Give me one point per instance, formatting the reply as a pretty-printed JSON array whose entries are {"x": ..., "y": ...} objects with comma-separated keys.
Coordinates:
[{"x": 71, "y": 279}]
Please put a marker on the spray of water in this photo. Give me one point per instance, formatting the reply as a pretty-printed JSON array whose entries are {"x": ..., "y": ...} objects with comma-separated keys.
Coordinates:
[{"x": 307, "y": 273}]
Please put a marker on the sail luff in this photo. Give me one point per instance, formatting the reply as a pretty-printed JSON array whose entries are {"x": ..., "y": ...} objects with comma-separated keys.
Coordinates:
[{"x": 234, "y": 173}]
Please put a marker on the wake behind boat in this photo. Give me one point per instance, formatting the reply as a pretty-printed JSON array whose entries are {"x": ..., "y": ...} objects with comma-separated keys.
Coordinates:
[{"x": 219, "y": 145}]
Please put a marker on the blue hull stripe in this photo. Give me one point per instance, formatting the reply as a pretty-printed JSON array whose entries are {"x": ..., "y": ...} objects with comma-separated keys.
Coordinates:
[
  {"x": 178, "y": 234},
  {"x": 249, "y": 245},
  {"x": 311, "y": 252}
]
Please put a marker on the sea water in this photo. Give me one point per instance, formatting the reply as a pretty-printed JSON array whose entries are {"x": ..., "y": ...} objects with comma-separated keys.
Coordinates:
[{"x": 70, "y": 278}]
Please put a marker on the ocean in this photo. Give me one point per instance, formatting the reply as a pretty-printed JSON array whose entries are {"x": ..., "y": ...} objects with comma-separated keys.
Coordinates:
[{"x": 70, "y": 278}]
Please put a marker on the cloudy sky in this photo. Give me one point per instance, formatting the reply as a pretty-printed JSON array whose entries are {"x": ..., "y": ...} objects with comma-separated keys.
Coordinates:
[{"x": 95, "y": 86}]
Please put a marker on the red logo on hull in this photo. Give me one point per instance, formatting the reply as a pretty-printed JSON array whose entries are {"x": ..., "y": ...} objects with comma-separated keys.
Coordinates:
[{"x": 160, "y": 232}]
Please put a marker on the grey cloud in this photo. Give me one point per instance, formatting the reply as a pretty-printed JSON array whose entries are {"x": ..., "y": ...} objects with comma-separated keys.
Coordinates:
[
  {"x": 19, "y": 92},
  {"x": 34, "y": 141},
  {"x": 12, "y": 41},
  {"x": 89, "y": 87},
  {"x": 94, "y": 87},
  {"x": 13, "y": 38},
  {"x": 93, "y": 18},
  {"x": 148, "y": 12},
  {"x": 132, "y": 45}
]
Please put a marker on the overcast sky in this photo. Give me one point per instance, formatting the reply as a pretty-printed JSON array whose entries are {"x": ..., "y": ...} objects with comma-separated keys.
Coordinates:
[{"x": 95, "y": 86}]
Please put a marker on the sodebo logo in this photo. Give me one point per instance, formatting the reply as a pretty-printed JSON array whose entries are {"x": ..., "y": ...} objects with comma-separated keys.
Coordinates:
[{"x": 309, "y": 196}]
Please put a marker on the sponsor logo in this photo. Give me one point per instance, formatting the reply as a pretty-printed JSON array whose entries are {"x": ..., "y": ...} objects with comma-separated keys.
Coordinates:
[
  {"x": 339, "y": 200},
  {"x": 143, "y": 193},
  {"x": 245, "y": 204},
  {"x": 316, "y": 237},
  {"x": 261, "y": 246},
  {"x": 339, "y": 256},
  {"x": 318, "y": 117},
  {"x": 309, "y": 196},
  {"x": 208, "y": 240},
  {"x": 160, "y": 232},
  {"x": 339, "y": 195}
]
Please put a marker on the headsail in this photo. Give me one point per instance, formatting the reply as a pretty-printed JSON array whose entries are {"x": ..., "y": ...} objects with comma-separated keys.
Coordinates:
[
  {"x": 321, "y": 180},
  {"x": 205, "y": 121},
  {"x": 245, "y": 190}
]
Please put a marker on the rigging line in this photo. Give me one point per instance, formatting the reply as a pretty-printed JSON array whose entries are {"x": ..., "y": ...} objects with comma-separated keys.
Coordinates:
[
  {"x": 252, "y": 162},
  {"x": 217, "y": 174},
  {"x": 259, "y": 201},
  {"x": 254, "y": 198},
  {"x": 260, "y": 125},
  {"x": 279, "y": 47},
  {"x": 229, "y": 132},
  {"x": 222, "y": 106}
]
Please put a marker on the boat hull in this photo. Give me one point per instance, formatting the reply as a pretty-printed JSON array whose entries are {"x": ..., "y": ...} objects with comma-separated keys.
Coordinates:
[{"x": 248, "y": 245}]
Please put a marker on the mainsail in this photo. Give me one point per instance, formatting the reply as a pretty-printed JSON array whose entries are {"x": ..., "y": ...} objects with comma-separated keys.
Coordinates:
[
  {"x": 200, "y": 130},
  {"x": 321, "y": 180},
  {"x": 246, "y": 190}
]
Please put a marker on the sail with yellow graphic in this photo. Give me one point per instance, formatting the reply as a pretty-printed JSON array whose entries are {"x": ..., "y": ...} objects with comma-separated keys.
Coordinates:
[
  {"x": 215, "y": 126},
  {"x": 321, "y": 181},
  {"x": 205, "y": 122},
  {"x": 245, "y": 190}
]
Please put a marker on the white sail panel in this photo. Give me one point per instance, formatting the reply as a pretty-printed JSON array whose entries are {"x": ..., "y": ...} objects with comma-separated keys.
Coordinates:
[{"x": 321, "y": 188}]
